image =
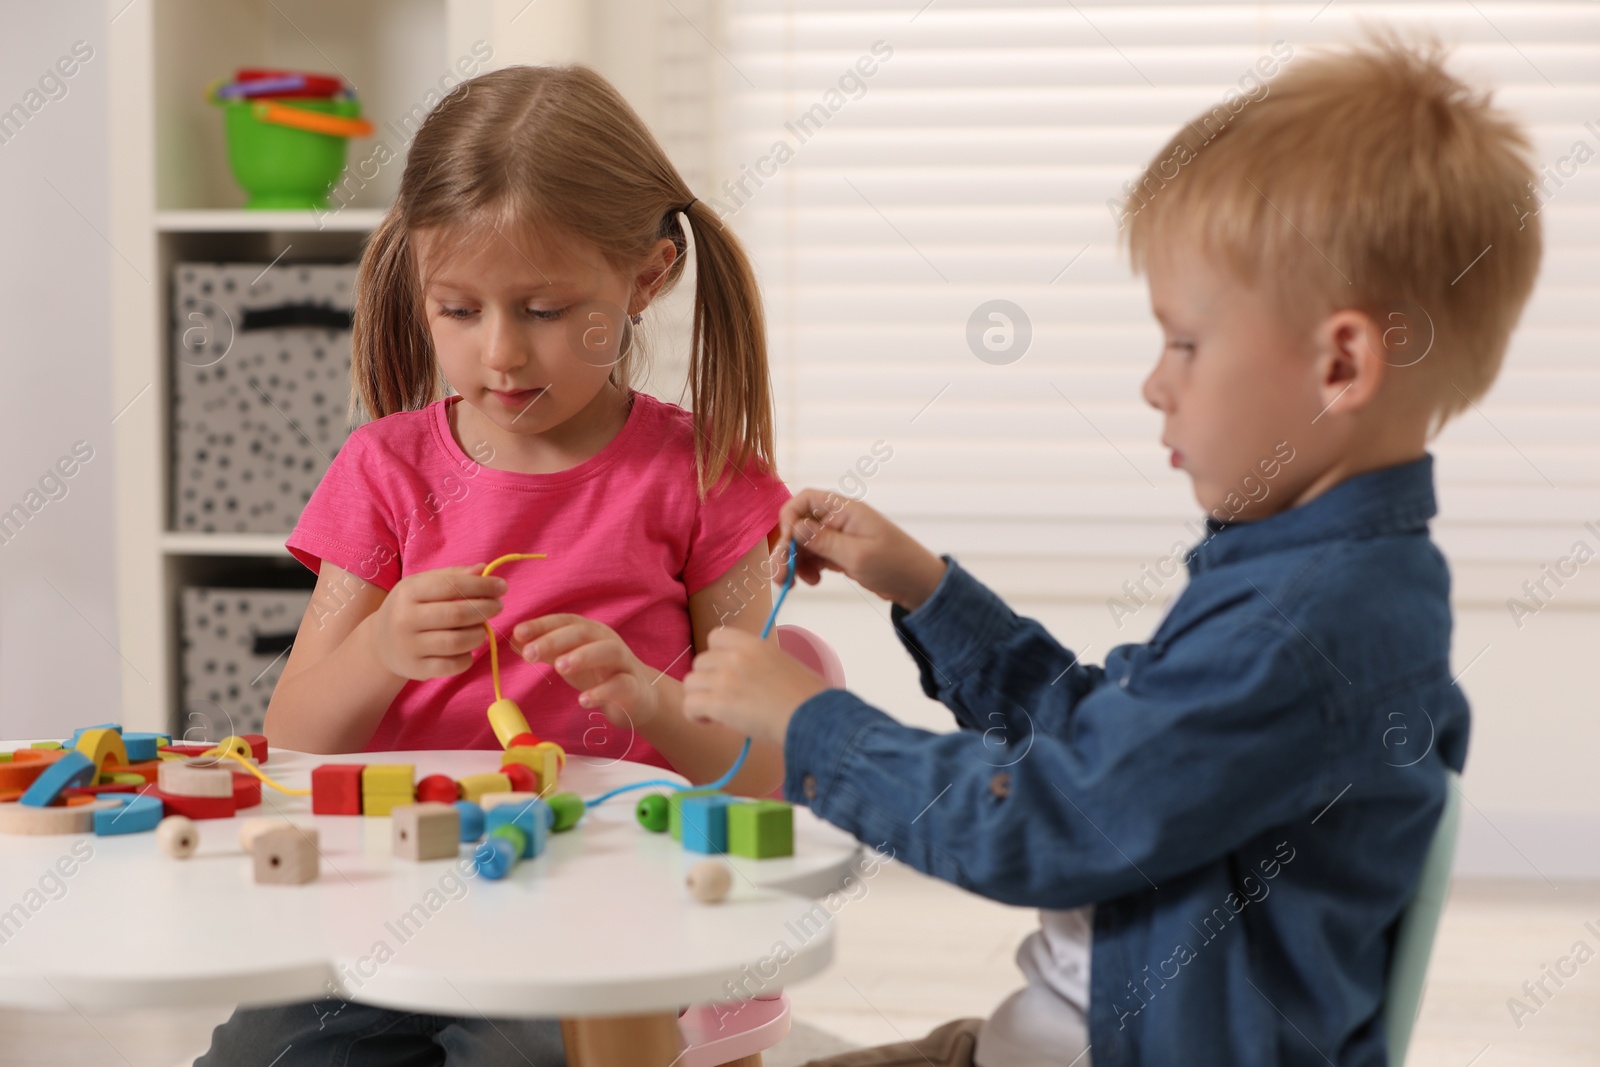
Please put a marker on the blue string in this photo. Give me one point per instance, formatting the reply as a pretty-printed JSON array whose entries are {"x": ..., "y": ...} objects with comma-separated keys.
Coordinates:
[{"x": 783, "y": 591}]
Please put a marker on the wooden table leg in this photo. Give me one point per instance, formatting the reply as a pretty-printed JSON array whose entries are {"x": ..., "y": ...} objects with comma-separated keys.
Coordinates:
[{"x": 622, "y": 1040}]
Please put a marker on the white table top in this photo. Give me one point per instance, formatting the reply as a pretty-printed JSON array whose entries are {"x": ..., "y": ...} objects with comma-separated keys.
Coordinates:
[{"x": 599, "y": 924}]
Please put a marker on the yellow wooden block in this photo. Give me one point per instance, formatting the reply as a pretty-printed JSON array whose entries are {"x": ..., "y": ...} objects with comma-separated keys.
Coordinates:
[
  {"x": 386, "y": 786},
  {"x": 103, "y": 747},
  {"x": 507, "y": 720},
  {"x": 474, "y": 786}
]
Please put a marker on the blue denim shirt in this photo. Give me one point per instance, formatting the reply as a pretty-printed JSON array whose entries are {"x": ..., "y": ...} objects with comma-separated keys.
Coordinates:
[{"x": 1247, "y": 798}]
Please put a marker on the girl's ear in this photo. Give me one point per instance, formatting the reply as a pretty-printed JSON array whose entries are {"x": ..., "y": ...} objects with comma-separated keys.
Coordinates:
[
  {"x": 1350, "y": 361},
  {"x": 648, "y": 282}
]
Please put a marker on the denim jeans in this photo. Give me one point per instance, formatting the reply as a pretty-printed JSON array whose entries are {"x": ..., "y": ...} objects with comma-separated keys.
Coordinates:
[{"x": 334, "y": 1033}]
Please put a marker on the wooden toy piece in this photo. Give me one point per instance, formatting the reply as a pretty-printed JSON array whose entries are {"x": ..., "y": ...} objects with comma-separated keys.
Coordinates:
[
  {"x": 97, "y": 790},
  {"x": 523, "y": 741},
  {"x": 25, "y": 768},
  {"x": 236, "y": 745},
  {"x": 705, "y": 823},
  {"x": 675, "y": 809},
  {"x": 186, "y": 778},
  {"x": 651, "y": 811},
  {"x": 135, "y": 815},
  {"x": 500, "y": 851},
  {"x": 286, "y": 855},
  {"x": 103, "y": 746},
  {"x": 29, "y": 820},
  {"x": 49, "y": 745},
  {"x": 709, "y": 881},
  {"x": 438, "y": 789},
  {"x": 532, "y": 818},
  {"x": 5, "y": 757},
  {"x": 491, "y": 801},
  {"x": 336, "y": 789},
  {"x": 77, "y": 735},
  {"x": 195, "y": 807},
  {"x": 386, "y": 786},
  {"x": 761, "y": 829},
  {"x": 72, "y": 769},
  {"x": 471, "y": 819},
  {"x": 149, "y": 770},
  {"x": 246, "y": 791},
  {"x": 251, "y": 829},
  {"x": 522, "y": 778},
  {"x": 426, "y": 831},
  {"x": 475, "y": 786},
  {"x": 142, "y": 746},
  {"x": 178, "y": 836},
  {"x": 567, "y": 808},
  {"x": 258, "y": 747},
  {"x": 117, "y": 777},
  {"x": 506, "y": 720}
]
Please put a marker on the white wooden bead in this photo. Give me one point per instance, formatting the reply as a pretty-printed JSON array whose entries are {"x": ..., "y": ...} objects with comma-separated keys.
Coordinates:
[
  {"x": 709, "y": 881},
  {"x": 178, "y": 836}
]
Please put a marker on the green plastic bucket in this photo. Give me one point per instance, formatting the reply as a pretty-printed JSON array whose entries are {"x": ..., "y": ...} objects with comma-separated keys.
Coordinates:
[{"x": 282, "y": 168}]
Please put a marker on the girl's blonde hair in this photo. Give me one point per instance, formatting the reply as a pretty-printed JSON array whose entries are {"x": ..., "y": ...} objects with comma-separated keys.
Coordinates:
[{"x": 559, "y": 147}]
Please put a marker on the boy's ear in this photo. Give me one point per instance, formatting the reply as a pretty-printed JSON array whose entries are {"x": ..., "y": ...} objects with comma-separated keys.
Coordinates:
[{"x": 1350, "y": 363}]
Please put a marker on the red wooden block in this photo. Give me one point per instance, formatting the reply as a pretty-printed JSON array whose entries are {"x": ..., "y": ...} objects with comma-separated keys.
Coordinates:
[
  {"x": 336, "y": 789},
  {"x": 194, "y": 807},
  {"x": 246, "y": 791},
  {"x": 438, "y": 789},
  {"x": 523, "y": 739},
  {"x": 523, "y": 780},
  {"x": 258, "y": 746},
  {"x": 188, "y": 750}
]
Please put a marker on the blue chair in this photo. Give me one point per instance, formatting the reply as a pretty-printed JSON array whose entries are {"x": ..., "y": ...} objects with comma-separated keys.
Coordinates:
[{"x": 1413, "y": 942}]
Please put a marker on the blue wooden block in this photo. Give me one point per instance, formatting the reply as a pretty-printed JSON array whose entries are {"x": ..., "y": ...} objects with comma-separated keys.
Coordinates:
[
  {"x": 471, "y": 820},
  {"x": 143, "y": 747},
  {"x": 80, "y": 731},
  {"x": 138, "y": 813},
  {"x": 73, "y": 769},
  {"x": 533, "y": 818},
  {"x": 705, "y": 823}
]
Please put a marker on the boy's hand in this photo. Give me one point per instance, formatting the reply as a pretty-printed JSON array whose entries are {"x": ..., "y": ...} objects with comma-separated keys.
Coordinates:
[
  {"x": 430, "y": 623},
  {"x": 748, "y": 684},
  {"x": 838, "y": 534},
  {"x": 593, "y": 659}
]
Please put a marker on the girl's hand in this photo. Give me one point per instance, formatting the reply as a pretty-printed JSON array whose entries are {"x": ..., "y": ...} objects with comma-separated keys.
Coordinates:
[
  {"x": 430, "y": 623},
  {"x": 838, "y": 534},
  {"x": 591, "y": 658},
  {"x": 749, "y": 684}
]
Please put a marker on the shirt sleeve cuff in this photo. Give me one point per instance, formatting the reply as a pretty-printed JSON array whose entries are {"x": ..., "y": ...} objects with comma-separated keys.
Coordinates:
[
  {"x": 961, "y": 620},
  {"x": 822, "y": 731}
]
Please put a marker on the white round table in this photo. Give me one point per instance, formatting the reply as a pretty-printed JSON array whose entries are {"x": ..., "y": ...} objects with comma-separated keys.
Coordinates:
[{"x": 598, "y": 925}]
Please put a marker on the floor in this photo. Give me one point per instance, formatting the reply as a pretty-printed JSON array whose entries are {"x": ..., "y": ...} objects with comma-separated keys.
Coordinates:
[{"x": 912, "y": 953}]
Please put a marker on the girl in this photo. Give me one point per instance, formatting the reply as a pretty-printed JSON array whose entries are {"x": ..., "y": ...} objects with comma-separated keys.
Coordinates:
[{"x": 537, "y": 219}]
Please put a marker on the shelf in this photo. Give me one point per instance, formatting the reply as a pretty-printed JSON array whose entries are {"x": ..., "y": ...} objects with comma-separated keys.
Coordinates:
[
  {"x": 348, "y": 220},
  {"x": 265, "y": 546}
]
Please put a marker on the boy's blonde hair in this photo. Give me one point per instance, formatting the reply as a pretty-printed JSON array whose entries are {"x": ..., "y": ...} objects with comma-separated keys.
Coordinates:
[
  {"x": 559, "y": 148},
  {"x": 1369, "y": 178}
]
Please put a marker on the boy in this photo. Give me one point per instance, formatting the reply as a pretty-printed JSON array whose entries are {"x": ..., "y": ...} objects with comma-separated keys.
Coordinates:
[{"x": 1313, "y": 270}]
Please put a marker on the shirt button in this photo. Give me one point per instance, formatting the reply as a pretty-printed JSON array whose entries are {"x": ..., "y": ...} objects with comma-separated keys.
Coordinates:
[
  {"x": 1123, "y": 681},
  {"x": 1000, "y": 785},
  {"x": 808, "y": 786}
]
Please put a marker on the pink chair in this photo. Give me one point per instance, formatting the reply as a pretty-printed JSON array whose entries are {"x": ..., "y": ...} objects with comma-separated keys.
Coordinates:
[{"x": 736, "y": 1034}]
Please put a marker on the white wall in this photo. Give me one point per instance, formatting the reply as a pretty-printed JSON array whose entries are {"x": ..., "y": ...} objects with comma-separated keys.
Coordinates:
[{"x": 59, "y": 666}]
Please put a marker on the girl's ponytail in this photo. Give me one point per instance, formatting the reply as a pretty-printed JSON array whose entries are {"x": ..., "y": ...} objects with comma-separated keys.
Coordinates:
[
  {"x": 391, "y": 356},
  {"x": 729, "y": 383}
]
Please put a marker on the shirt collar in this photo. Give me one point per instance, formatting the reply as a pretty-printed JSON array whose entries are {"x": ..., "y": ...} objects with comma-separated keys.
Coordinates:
[{"x": 1379, "y": 503}]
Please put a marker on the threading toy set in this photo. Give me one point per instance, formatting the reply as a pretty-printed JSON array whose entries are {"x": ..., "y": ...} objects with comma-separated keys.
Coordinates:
[{"x": 110, "y": 782}]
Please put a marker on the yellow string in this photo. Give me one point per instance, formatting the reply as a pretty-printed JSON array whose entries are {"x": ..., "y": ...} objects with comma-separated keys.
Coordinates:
[
  {"x": 494, "y": 656},
  {"x": 259, "y": 773}
]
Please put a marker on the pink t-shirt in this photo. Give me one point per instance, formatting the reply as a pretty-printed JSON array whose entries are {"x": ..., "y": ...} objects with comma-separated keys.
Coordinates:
[{"x": 627, "y": 537}]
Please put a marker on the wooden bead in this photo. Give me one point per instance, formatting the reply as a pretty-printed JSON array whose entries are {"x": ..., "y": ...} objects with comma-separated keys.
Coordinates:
[
  {"x": 709, "y": 881},
  {"x": 523, "y": 741},
  {"x": 506, "y": 720},
  {"x": 438, "y": 789},
  {"x": 568, "y": 808},
  {"x": 286, "y": 855},
  {"x": 523, "y": 779},
  {"x": 426, "y": 831},
  {"x": 651, "y": 811},
  {"x": 336, "y": 788},
  {"x": 178, "y": 836},
  {"x": 494, "y": 800},
  {"x": 183, "y": 778},
  {"x": 475, "y": 786},
  {"x": 499, "y": 853},
  {"x": 471, "y": 820}
]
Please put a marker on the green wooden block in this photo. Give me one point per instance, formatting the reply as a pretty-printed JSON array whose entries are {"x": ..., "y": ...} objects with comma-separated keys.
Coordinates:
[
  {"x": 675, "y": 813},
  {"x": 761, "y": 829}
]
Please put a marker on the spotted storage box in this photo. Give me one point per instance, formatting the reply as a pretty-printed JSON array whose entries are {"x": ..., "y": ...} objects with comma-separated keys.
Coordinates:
[{"x": 235, "y": 643}]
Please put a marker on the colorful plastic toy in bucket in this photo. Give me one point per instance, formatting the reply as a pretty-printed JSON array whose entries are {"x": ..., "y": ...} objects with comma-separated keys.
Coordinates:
[{"x": 287, "y": 151}]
